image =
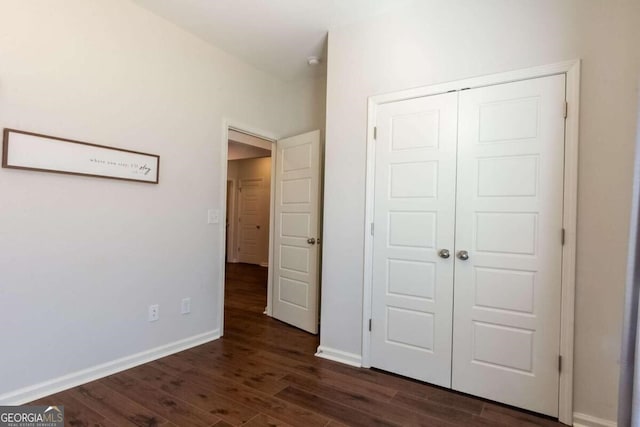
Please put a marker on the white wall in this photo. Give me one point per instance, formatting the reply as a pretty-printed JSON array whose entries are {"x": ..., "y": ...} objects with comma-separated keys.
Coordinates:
[
  {"x": 82, "y": 258},
  {"x": 306, "y": 103},
  {"x": 251, "y": 169},
  {"x": 438, "y": 41}
]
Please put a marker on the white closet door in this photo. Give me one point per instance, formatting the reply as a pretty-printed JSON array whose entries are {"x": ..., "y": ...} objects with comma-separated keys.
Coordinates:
[
  {"x": 509, "y": 219},
  {"x": 415, "y": 171}
]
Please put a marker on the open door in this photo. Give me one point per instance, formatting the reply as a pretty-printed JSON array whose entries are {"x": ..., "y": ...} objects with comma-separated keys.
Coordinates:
[{"x": 297, "y": 226}]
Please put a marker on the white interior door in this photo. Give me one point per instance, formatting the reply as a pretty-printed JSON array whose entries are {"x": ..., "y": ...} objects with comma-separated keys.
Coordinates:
[
  {"x": 249, "y": 228},
  {"x": 296, "y": 232},
  {"x": 412, "y": 298},
  {"x": 509, "y": 221}
]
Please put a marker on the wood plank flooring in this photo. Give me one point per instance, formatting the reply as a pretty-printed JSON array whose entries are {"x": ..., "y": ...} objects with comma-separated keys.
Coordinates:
[{"x": 264, "y": 373}]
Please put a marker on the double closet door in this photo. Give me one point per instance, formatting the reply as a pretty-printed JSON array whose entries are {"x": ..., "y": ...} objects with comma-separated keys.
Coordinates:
[{"x": 467, "y": 248}]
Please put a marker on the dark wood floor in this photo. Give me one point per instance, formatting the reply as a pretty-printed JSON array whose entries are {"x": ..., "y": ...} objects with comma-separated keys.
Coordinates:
[{"x": 264, "y": 373}]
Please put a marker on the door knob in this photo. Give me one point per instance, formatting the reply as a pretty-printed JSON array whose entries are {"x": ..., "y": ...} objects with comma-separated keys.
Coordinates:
[
  {"x": 463, "y": 255},
  {"x": 444, "y": 253},
  {"x": 311, "y": 241}
]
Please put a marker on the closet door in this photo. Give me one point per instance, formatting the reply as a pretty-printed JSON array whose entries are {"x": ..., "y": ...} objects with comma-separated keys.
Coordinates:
[
  {"x": 415, "y": 171},
  {"x": 508, "y": 243}
]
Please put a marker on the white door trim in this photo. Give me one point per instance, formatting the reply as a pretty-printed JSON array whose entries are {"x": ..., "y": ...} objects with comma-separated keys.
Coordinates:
[
  {"x": 230, "y": 231},
  {"x": 268, "y": 310},
  {"x": 572, "y": 71},
  {"x": 232, "y": 124}
]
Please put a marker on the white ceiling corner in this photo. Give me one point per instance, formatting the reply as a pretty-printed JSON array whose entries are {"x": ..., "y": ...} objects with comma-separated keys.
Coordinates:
[{"x": 275, "y": 36}]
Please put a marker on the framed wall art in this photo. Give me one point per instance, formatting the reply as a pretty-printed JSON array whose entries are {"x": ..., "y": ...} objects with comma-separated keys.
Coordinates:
[{"x": 36, "y": 152}]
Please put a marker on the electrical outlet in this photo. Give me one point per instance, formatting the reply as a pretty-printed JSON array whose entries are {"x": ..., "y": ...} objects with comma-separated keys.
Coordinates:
[
  {"x": 213, "y": 216},
  {"x": 186, "y": 306},
  {"x": 154, "y": 312}
]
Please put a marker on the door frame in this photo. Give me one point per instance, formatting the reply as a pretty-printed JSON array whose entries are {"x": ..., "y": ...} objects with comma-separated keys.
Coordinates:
[
  {"x": 231, "y": 124},
  {"x": 230, "y": 233},
  {"x": 572, "y": 71}
]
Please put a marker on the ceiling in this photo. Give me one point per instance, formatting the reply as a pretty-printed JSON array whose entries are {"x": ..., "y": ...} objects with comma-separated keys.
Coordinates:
[
  {"x": 246, "y": 146},
  {"x": 240, "y": 151},
  {"x": 276, "y": 36}
]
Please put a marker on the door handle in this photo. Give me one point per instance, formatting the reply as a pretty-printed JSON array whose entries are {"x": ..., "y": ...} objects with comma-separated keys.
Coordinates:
[
  {"x": 444, "y": 253},
  {"x": 463, "y": 255},
  {"x": 311, "y": 240}
]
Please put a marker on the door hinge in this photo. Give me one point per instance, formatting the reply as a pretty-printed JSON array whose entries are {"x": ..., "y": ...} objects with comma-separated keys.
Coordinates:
[
  {"x": 566, "y": 109},
  {"x": 372, "y": 229},
  {"x": 375, "y": 132},
  {"x": 369, "y": 325},
  {"x": 559, "y": 363},
  {"x": 563, "y": 237}
]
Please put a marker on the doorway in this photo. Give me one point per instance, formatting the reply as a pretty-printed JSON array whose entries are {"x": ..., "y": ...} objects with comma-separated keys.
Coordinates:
[
  {"x": 248, "y": 218},
  {"x": 248, "y": 201},
  {"x": 272, "y": 224}
]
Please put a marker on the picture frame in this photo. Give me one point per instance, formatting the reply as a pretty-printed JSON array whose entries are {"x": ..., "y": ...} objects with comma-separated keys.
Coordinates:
[{"x": 45, "y": 153}]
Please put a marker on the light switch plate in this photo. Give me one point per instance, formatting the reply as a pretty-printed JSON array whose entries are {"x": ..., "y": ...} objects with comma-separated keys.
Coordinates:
[
  {"x": 213, "y": 216},
  {"x": 185, "y": 307}
]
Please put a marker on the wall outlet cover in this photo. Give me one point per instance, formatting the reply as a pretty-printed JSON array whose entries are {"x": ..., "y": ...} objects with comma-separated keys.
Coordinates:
[
  {"x": 213, "y": 216},
  {"x": 186, "y": 306},
  {"x": 154, "y": 312}
]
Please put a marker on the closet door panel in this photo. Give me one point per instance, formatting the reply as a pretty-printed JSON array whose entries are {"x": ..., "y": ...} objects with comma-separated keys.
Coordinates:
[
  {"x": 509, "y": 221},
  {"x": 412, "y": 296}
]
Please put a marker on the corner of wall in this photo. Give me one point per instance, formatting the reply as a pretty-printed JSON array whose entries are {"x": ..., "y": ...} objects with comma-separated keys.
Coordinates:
[{"x": 339, "y": 356}]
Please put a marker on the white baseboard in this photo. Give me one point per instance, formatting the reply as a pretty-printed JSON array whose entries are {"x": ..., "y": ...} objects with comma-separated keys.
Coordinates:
[
  {"x": 46, "y": 388},
  {"x": 584, "y": 420},
  {"x": 351, "y": 359}
]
